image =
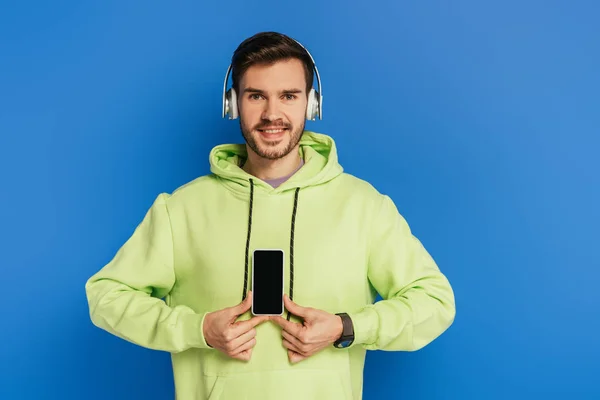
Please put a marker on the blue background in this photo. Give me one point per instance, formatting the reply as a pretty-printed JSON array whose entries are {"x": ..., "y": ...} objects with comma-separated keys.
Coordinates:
[{"x": 480, "y": 120}]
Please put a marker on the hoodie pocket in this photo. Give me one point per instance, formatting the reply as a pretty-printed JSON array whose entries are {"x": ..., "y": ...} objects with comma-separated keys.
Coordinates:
[{"x": 297, "y": 384}]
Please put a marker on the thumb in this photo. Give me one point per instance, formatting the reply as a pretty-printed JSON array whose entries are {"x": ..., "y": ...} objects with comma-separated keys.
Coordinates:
[
  {"x": 243, "y": 306},
  {"x": 295, "y": 308}
]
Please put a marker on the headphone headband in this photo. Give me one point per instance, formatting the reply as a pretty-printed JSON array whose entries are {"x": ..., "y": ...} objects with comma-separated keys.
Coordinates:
[{"x": 228, "y": 109}]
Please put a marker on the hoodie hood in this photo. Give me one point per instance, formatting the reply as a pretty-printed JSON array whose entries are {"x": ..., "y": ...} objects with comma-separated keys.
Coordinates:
[{"x": 317, "y": 150}]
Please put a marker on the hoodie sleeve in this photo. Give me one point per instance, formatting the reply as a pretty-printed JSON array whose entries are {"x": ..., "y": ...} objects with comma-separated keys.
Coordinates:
[
  {"x": 418, "y": 301},
  {"x": 125, "y": 296}
]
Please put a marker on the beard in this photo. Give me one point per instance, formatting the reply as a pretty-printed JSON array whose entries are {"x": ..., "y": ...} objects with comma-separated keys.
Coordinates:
[{"x": 272, "y": 150}]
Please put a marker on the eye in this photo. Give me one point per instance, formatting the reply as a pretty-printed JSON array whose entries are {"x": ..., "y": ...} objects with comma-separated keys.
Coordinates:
[
  {"x": 255, "y": 96},
  {"x": 290, "y": 96}
]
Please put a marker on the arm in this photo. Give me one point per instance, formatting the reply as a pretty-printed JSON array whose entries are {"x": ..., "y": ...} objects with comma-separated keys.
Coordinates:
[
  {"x": 125, "y": 296},
  {"x": 418, "y": 301}
]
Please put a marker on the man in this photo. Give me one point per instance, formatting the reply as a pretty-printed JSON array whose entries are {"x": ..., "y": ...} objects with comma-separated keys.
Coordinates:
[{"x": 282, "y": 189}]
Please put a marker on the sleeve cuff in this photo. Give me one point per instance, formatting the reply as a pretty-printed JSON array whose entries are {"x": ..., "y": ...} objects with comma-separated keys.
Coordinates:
[
  {"x": 365, "y": 323},
  {"x": 194, "y": 328}
]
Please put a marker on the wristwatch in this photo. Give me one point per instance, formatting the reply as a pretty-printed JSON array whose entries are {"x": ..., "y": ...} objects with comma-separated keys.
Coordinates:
[{"x": 347, "y": 333}]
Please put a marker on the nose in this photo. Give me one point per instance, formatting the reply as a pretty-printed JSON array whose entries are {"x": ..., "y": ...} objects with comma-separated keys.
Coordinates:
[{"x": 271, "y": 111}]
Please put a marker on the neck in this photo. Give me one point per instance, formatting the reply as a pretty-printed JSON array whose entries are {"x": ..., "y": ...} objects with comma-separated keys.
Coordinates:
[{"x": 266, "y": 169}]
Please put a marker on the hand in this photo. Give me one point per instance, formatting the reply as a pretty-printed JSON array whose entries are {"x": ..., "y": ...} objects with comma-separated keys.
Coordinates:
[
  {"x": 236, "y": 339},
  {"x": 319, "y": 330}
]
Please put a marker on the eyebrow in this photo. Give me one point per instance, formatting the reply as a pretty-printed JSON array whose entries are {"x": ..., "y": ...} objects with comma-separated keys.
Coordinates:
[{"x": 286, "y": 91}]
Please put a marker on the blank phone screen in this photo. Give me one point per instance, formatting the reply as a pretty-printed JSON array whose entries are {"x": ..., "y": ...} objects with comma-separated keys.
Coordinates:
[{"x": 267, "y": 291}]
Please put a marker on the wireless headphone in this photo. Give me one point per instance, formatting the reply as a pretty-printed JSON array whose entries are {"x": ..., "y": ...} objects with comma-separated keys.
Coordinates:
[{"x": 314, "y": 108}]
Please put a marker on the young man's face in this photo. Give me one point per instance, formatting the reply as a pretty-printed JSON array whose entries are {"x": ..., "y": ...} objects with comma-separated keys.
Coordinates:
[{"x": 272, "y": 104}]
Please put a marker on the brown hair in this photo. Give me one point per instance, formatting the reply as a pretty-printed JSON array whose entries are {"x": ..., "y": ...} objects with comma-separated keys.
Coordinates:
[{"x": 268, "y": 48}]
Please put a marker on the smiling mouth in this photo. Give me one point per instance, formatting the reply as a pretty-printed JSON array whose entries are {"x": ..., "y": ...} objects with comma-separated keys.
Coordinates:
[{"x": 272, "y": 131}]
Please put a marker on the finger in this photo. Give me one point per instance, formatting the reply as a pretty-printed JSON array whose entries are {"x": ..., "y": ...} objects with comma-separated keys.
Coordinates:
[
  {"x": 295, "y": 308},
  {"x": 290, "y": 346},
  {"x": 288, "y": 326},
  {"x": 242, "y": 327},
  {"x": 244, "y": 355},
  {"x": 240, "y": 339},
  {"x": 295, "y": 357},
  {"x": 241, "y": 308},
  {"x": 302, "y": 347},
  {"x": 245, "y": 346}
]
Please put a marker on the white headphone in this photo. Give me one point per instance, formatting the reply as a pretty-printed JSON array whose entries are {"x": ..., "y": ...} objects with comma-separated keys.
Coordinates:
[{"x": 314, "y": 108}]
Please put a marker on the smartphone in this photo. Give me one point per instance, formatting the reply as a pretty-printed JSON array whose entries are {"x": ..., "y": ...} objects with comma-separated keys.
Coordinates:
[{"x": 267, "y": 282}]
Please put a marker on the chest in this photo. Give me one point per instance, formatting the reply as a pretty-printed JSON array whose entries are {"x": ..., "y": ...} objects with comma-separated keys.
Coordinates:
[{"x": 327, "y": 243}]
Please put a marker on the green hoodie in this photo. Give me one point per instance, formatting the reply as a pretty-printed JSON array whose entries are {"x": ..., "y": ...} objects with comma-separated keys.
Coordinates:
[{"x": 190, "y": 256}]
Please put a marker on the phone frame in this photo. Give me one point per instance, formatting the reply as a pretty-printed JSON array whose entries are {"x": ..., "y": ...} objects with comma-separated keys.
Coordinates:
[{"x": 282, "y": 280}]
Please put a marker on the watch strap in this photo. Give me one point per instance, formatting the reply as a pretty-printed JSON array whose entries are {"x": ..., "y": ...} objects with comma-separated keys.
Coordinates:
[{"x": 347, "y": 336}]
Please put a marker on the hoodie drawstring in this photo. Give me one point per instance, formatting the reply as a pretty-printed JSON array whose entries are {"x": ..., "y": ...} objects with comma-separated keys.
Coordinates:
[
  {"x": 248, "y": 240},
  {"x": 292, "y": 232}
]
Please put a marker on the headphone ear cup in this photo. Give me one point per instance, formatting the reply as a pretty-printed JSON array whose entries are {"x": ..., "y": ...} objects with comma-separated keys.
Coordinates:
[
  {"x": 232, "y": 106},
  {"x": 312, "y": 106}
]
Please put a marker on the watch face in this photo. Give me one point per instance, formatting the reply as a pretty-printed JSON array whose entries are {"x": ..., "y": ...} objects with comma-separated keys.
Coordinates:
[{"x": 345, "y": 343}]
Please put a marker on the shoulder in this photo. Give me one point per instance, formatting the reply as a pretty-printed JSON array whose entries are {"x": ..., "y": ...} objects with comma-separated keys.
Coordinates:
[
  {"x": 188, "y": 191},
  {"x": 378, "y": 203},
  {"x": 199, "y": 183},
  {"x": 360, "y": 187}
]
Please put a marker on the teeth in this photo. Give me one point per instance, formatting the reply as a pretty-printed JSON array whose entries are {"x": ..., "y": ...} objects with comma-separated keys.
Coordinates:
[{"x": 273, "y": 130}]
